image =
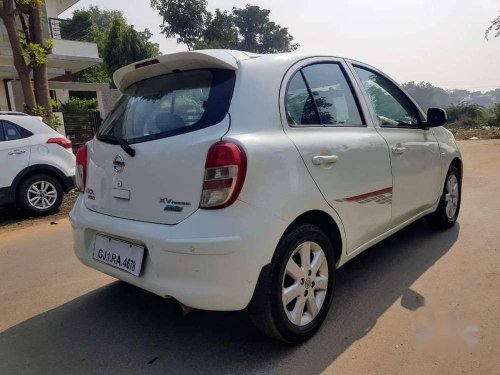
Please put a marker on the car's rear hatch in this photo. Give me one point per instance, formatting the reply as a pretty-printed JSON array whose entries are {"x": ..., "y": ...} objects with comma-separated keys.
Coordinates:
[{"x": 173, "y": 109}]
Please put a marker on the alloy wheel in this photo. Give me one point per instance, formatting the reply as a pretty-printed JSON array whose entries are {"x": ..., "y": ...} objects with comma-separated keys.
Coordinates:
[
  {"x": 451, "y": 196},
  {"x": 305, "y": 283},
  {"x": 42, "y": 195}
]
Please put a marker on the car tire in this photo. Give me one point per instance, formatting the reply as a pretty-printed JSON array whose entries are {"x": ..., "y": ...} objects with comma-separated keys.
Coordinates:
[
  {"x": 288, "y": 311},
  {"x": 39, "y": 195},
  {"x": 448, "y": 209}
]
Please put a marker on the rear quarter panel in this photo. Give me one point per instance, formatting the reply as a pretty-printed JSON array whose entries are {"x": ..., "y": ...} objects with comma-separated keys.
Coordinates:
[
  {"x": 52, "y": 154},
  {"x": 277, "y": 181}
]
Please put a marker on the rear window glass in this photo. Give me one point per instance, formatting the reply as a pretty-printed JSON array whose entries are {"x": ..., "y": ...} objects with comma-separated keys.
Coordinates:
[
  {"x": 171, "y": 104},
  {"x": 11, "y": 132}
]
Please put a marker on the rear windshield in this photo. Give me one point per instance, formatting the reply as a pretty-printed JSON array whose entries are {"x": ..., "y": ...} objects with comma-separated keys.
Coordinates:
[{"x": 171, "y": 104}]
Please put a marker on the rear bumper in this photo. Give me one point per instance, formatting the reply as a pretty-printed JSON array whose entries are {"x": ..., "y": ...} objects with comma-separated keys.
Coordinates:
[{"x": 211, "y": 261}]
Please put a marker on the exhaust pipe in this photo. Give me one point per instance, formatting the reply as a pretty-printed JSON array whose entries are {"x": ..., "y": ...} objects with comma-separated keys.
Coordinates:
[{"x": 183, "y": 310}]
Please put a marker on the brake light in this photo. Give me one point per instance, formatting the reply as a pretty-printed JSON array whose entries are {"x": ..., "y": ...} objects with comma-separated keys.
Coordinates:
[
  {"x": 225, "y": 171},
  {"x": 81, "y": 168},
  {"x": 61, "y": 141}
]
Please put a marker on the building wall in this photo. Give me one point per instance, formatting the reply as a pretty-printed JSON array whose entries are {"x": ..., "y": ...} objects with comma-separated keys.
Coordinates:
[{"x": 4, "y": 105}]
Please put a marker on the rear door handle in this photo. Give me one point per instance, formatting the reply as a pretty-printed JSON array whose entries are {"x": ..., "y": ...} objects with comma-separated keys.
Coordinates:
[
  {"x": 17, "y": 152},
  {"x": 324, "y": 159},
  {"x": 398, "y": 150}
]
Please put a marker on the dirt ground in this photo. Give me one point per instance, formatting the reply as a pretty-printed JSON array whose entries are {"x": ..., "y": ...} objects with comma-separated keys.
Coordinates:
[
  {"x": 465, "y": 134},
  {"x": 11, "y": 218},
  {"x": 419, "y": 302}
]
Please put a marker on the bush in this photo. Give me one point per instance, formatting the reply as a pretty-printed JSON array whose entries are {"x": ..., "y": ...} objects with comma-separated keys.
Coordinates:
[
  {"x": 39, "y": 111},
  {"x": 494, "y": 115},
  {"x": 77, "y": 105},
  {"x": 462, "y": 111}
]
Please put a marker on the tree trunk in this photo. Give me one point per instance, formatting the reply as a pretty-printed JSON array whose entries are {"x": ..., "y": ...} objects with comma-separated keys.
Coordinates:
[
  {"x": 40, "y": 76},
  {"x": 8, "y": 17}
]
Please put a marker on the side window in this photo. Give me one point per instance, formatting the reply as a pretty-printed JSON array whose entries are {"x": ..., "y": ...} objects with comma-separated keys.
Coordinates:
[
  {"x": 332, "y": 95},
  {"x": 11, "y": 132},
  {"x": 299, "y": 104},
  {"x": 391, "y": 105},
  {"x": 2, "y": 137}
]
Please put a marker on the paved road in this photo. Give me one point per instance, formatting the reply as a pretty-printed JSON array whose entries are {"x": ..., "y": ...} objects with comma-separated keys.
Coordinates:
[{"x": 420, "y": 302}]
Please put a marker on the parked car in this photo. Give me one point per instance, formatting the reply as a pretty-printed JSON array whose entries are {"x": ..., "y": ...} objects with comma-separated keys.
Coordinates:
[
  {"x": 38, "y": 165},
  {"x": 229, "y": 181}
]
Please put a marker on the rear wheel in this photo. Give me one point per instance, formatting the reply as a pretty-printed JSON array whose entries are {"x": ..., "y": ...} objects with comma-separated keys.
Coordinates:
[
  {"x": 300, "y": 286},
  {"x": 40, "y": 195},
  {"x": 448, "y": 209}
]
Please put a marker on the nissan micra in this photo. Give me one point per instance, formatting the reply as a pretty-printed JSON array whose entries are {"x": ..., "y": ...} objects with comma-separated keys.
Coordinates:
[{"x": 228, "y": 180}]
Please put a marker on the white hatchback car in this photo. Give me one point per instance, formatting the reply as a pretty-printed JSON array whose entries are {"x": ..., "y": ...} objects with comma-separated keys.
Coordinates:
[
  {"x": 38, "y": 164},
  {"x": 232, "y": 181}
]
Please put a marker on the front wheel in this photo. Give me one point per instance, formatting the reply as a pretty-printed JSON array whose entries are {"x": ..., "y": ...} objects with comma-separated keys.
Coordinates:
[
  {"x": 300, "y": 286},
  {"x": 448, "y": 209}
]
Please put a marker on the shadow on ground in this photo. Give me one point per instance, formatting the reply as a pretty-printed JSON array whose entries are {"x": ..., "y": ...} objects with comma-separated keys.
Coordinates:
[
  {"x": 11, "y": 217},
  {"x": 121, "y": 329}
]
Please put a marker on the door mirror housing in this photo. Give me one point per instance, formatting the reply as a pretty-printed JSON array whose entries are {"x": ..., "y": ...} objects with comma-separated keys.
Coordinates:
[{"x": 436, "y": 117}]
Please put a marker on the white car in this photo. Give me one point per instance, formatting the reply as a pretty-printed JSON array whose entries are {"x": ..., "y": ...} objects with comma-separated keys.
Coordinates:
[
  {"x": 229, "y": 181},
  {"x": 38, "y": 164}
]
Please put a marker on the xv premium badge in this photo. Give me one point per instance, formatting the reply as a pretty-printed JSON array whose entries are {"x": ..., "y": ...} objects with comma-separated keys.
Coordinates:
[
  {"x": 118, "y": 164},
  {"x": 173, "y": 205}
]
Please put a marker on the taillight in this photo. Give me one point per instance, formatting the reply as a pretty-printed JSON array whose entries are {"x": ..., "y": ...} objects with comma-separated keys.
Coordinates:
[
  {"x": 61, "y": 141},
  {"x": 81, "y": 168},
  {"x": 225, "y": 172}
]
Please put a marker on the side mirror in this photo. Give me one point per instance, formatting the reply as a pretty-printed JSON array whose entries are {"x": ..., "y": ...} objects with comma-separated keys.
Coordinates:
[{"x": 436, "y": 117}]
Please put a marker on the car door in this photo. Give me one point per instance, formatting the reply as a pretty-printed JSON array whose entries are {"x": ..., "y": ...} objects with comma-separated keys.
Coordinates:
[
  {"x": 414, "y": 150},
  {"x": 344, "y": 154},
  {"x": 14, "y": 152}
]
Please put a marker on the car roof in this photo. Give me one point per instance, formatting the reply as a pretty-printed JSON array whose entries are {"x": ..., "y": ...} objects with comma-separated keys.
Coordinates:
[
  {"x": 199, "y": 59},
  {"x": 31, "y": 123},
  {"x": 12, "y": 113}
]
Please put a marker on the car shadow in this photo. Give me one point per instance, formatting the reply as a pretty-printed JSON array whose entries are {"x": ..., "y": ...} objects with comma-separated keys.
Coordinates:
[{"x": 121, "y": 329}]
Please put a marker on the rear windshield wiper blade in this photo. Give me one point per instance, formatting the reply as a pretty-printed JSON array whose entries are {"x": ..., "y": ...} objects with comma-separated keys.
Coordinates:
[{"x": 118, "y": 141}]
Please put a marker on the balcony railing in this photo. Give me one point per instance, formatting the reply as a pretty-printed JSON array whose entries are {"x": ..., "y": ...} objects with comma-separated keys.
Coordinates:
[{"x": 61, "y": 29}]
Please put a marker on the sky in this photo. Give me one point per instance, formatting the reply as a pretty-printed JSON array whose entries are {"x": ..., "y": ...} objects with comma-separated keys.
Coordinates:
[{"x": 437, "y": 41}]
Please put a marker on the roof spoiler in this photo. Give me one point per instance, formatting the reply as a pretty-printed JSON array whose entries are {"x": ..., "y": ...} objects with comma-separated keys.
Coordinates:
[{"x": 141, "y": 70}]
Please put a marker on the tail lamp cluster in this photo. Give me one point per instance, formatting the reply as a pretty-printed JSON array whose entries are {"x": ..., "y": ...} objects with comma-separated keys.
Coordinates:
[
  {"x": 61, "y": 141},
  {"x": 81, "y": 168},
  {"x": 225, "y": 171}
]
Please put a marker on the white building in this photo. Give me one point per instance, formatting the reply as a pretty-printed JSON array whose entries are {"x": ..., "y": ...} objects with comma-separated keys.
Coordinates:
[{"x": 68, "y": 57}]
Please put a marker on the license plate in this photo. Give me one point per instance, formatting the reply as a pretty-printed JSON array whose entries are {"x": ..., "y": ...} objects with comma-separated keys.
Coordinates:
[{"x": 119, "y": 254}]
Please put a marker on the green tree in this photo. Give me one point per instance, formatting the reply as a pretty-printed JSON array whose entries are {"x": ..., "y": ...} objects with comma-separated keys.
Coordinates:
[
  {"x": 219, "y": 31},
  {"x": 427, "y": 95},
  {"x": 125, "y": 45},
  {"x": 102, "y": 18},
  {"x": 248, "y": 28},
  {"x": 473, "y": 112},
  {"x": 495, "y": 93},
  {"x": 118, "y": 43},
  {"x": 113, "y": 51},
  {"x": 23, "y": 21},
  {"x": 79, "y": 27},
  {"x": 258, "y": 34},
  {"x": 184, "y": 19},
  {"x": 493, "y": 28}
]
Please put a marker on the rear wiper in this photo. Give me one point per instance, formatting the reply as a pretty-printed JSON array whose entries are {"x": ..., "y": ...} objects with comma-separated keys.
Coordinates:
[{"x": 117, "y": 141}]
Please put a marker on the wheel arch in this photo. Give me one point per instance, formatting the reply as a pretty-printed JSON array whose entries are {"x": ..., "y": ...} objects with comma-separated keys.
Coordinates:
[
  {"x": 319, "y": 218},
  {"x": 457, "y": 162},
  {"x": 38, "y": 169},
  {"x": 326, "y": 223}
]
